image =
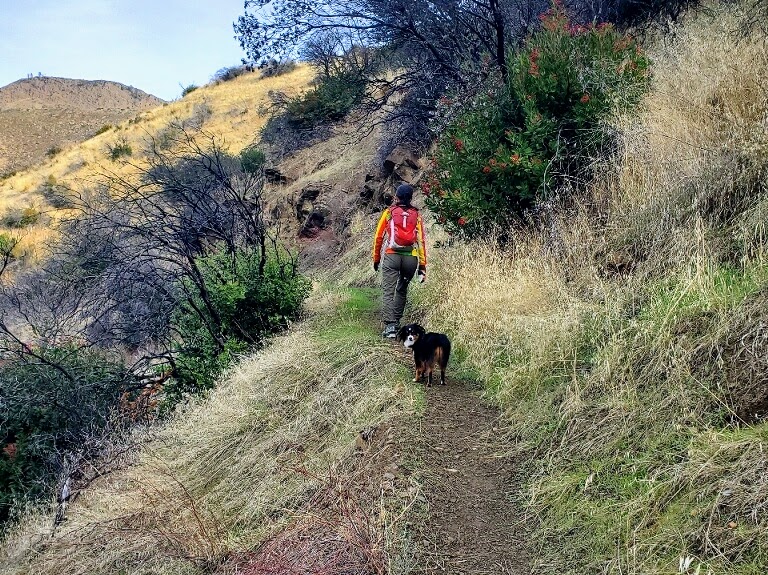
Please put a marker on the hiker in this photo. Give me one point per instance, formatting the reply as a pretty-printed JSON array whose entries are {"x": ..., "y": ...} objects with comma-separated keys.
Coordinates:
[{"x": 405, "y": 254}]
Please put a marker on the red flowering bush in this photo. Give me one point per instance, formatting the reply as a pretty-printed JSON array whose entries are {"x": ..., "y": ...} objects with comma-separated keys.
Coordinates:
[{"x": 522, "y": 138}]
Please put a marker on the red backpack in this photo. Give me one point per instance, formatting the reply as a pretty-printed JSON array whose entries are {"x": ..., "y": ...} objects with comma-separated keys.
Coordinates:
[{"x": 402, "y": 226}]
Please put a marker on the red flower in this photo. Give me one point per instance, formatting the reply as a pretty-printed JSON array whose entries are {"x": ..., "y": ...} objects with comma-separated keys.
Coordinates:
[
  {"x": 462, "y": 221},
  {"x": 534, "y": 55},
  {"x": 458, "y": 144},
  {"x": 534, "y": 71},
  {"x": 487, "y": 169},
  {"x": 492, "y": 161},
  {"x": 584, "y": 99},
  {"x": 10, "y": 450},
  {"x": 515, "y": 158}
]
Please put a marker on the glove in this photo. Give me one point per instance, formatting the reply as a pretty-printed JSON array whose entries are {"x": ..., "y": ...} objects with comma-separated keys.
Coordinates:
[
  {"x": 422, "y": 274},
  {"x": 375, "y": 266}
]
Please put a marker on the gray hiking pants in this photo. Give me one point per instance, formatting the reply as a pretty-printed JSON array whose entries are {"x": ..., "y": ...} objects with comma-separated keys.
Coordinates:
[{"x": 397, "y": 271}]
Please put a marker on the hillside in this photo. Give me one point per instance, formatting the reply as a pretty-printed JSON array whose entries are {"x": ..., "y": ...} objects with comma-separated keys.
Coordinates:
[
  {"x": 235, "y": 110},
  {"x": 41, "y": 114}
]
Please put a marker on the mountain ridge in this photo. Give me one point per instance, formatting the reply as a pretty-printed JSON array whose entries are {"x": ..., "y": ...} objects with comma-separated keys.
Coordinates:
[{"x": 42, "y": 114}]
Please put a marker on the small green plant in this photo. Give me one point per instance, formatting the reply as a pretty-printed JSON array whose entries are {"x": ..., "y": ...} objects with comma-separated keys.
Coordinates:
[
  {"x": 521, "y": 139},
  {"x": 252, "y": 160},
  {"x": 119, "y": 150},
  {"x": 188, "y": 89},
  {"x": 53, "y": 151}
]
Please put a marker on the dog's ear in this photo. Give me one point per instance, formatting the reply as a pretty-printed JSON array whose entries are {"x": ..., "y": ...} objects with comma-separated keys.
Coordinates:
[
  {"x": 419, "y": 330},
  {"x": 402, "y": 334}
]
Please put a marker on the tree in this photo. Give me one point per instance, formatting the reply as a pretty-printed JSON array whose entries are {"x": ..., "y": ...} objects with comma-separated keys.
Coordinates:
[{"x": 154, "y": 282}]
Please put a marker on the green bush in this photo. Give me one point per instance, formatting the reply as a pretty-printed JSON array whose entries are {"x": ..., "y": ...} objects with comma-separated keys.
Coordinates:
[
  {"x": 188, "y": 89},
  {"x": 103, "y": 129},
  {"x": 275, "y": 67},
  {"x": 250, "y": 304},
  {"x": 53, "y": 400},
  {"x": 331, "y": 100},
  {"x": 21, "y": 218},
  {"x": 120, "y": 149},
  {"x": 522, "y": 138},
  {"x": 53, "y": 151},
  {"x": 252, "y": 160},
  {"x": 231, "y": 72}
]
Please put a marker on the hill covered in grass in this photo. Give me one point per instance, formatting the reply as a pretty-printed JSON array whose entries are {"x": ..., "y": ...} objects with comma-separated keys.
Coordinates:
[{"x": 42, "y": 115}]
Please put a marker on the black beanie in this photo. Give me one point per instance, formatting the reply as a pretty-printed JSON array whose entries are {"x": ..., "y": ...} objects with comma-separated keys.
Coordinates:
[{"x": 404, "y": 192}]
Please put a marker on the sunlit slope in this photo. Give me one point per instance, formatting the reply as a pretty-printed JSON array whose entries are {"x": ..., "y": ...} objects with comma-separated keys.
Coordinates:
[{"x": 236, "y": 109}]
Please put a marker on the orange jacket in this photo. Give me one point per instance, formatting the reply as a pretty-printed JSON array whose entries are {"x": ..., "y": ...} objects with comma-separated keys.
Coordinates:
[{"x": 382, "y": 228}]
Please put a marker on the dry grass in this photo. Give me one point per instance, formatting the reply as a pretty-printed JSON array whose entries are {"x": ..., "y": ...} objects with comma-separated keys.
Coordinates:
[
  {"x": 237, "y": 109},
  {"x": 233, "y": 469},
  {"x": 624, "y": 339}
]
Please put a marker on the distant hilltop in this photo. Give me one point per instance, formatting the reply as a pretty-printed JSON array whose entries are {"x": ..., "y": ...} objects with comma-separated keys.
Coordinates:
[
  {"x": 46, "y": 92},
  {"x": 42, "y": 114}
]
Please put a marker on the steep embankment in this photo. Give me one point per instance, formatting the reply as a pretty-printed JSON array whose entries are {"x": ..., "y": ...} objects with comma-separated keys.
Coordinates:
[
  {"x": 625, "y": 340},
  {"x": 41, "y": 115}
]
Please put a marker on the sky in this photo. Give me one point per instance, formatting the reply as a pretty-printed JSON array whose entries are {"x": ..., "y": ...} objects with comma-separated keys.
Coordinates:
[{"x": 154, "y": 45}]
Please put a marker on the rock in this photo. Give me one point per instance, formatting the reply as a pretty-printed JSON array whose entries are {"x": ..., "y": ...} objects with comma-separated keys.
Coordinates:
[
  {"x": 275, "y": 176},
  {"x": 400, "y": 156},
  {"x": 308, "y": 200}
]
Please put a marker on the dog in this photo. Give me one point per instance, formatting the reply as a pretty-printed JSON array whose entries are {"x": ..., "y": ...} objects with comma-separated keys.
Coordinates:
[{"x": 428, "y": 349}]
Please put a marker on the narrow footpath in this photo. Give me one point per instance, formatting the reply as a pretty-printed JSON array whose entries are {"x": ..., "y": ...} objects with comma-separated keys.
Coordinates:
[{"x": 475, "y": 525}]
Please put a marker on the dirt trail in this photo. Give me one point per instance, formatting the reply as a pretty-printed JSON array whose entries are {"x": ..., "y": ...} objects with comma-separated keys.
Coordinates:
[{"x": 475, "y": 524}]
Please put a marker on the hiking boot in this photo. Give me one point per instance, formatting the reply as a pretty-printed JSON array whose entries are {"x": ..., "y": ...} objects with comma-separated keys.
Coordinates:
[{"x": 390, "y": 331}]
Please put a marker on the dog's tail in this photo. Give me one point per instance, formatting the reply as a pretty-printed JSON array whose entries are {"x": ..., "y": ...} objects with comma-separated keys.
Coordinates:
[{"x": 442, "y": 354}]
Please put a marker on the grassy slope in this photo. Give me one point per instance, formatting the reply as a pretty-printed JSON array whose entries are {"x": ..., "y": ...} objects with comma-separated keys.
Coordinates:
[
  {"x": 235, "y": 468},
  {"x": 238, "y": 109},
  {"x": 626, "y": 342}
]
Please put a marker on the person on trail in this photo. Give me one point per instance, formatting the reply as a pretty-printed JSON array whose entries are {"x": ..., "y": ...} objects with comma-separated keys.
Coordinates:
[{"x": 405, "y": 254}]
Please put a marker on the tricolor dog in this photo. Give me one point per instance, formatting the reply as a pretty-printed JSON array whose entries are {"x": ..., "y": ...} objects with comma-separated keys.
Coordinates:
[{"x": 429, "y": 349}]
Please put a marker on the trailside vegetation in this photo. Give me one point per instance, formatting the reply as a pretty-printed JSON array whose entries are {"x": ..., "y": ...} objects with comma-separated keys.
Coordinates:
[
  {"x": 544, "y": 128},
  {"x": 158, "y": 282}
]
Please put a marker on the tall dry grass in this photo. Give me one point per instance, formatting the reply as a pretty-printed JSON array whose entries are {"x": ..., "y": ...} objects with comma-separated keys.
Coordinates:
[
  {"x": 624, "y": 338},
  {"x": 231, "y": 470}
]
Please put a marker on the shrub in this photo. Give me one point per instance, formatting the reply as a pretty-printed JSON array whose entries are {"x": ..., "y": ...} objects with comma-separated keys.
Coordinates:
[
  {"x": 252, "y": 160},
  {"x": 103, "y": 129},
  {"x": 120, "y": 149},
  {"x": 544, "y": 126},
  {"x": 231, "y": 72},
  {"x": 331, "y": 100},
  {"x": 56, "y": 195},
  {"x": 52, "y": 151},
  {"x": 251, "y": 304},
  {"x": 21, "y": 218},
  {"x": 53, "y": 399},
  {"x": 188, "y": 89},
  {"x": 275, "y": 67}
]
